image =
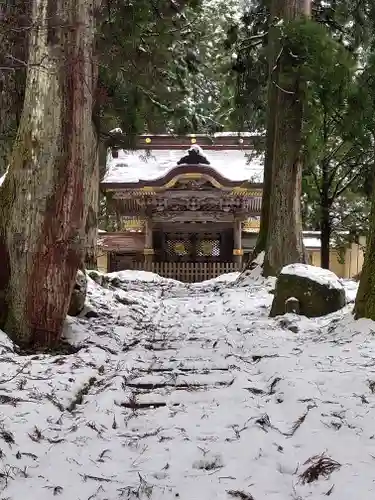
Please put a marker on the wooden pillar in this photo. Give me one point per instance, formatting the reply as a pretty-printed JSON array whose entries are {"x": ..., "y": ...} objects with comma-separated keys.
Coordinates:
[
  {"x": 237, "y": 242},
  {"x": 149, "y": 248}
]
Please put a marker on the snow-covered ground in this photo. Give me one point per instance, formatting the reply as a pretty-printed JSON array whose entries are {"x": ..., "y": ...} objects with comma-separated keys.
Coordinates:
[{"x": 192, "y": 392}]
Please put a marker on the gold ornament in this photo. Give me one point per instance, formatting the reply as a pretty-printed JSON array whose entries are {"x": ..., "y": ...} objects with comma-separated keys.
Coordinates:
[{"x": 179, "y": 248}]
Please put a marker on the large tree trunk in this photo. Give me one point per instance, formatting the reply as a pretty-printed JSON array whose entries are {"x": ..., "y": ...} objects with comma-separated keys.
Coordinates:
[
  {"x": 365, "y": 299},
  {"x": 325, "y": 220},
  {"x": 284, "y": 239},
  {"x": 325, "y": 202},
  {"x": 43, "y": 205},
  {"x": 325, "y": 238},
  {"x": 261, "y": 243}
]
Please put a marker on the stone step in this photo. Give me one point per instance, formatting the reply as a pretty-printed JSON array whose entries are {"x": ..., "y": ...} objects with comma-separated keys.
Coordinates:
[
  {"x": 196, "y": 366},
  {"x": 150, "y": 382}
]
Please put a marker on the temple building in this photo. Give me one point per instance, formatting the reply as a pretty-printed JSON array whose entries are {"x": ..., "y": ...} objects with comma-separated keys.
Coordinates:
[{"x": 186, "y": 207}]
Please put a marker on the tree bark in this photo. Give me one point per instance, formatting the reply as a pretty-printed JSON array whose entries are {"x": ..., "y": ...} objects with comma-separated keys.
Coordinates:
[
  {"x": 261, "y": 243},
  {"x": 43, "y": 202},
  {"x": 365, "y": 300},
  {"x": 325, "y": 218},
  {"x": 325, "y": 237},
  {"x": 284, "y": 239}
]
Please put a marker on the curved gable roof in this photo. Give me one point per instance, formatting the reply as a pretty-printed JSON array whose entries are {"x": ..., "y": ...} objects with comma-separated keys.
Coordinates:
[
  {"x": 157, "y": 167},
  {"x": 183, "y": 172}
]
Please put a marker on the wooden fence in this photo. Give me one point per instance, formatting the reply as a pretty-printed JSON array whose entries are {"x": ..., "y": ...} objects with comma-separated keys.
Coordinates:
[{"x": 187, "y": 272}]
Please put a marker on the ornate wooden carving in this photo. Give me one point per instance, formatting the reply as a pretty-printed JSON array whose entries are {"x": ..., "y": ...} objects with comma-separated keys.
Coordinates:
[
  {"x": 190, "y": 216},
  {"x": 176, "y": 201},
  {"x": 194, "y": 185}
]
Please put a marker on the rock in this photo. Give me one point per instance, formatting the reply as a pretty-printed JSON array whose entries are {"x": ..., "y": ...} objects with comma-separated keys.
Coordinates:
[
  {"x": 91, "y": 314},
  {"x": 116, "y": 282},
  {"x": 288, "y": 324},
  {"x": 318, "y": 291},
  {"x": 125, "y": 299},
  {"x": 105, "y": 281},
  {"x": 97, "y": 277},
  {"x": 77, "y": 301},
  {"x": 292, "y": 305}
]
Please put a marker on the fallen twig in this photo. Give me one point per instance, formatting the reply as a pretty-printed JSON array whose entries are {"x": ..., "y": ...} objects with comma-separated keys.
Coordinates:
[
  {"x": 240, "y": 494},
  {"x": 6, "y": 380},
  {"x": 273, "y": 386},
  {"x": 320, "y": 466},
  {"x": 329, "y": 492},
  {"x": 97, "y": 478},
  {"x": 7, "y": 436},
  {"x": 55, "y": 402},
  {"x": 297, "y": 424}
]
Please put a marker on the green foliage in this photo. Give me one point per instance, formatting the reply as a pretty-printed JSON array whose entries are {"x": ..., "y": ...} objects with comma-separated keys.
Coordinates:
[
  {"x": 201, "y": 63},
  {"x": 165, "y": 72},
  {"x": 321, "y": 60},
  {"x": 347, "y": 23},
  {"x": 134, "y": 50},
  {"x": 326, "y": 53},
  {"x": 250, "y": 69}
]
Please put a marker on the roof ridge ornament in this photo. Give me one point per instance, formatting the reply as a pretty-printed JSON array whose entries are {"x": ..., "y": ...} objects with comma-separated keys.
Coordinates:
[{"x": 195, "y": 156}]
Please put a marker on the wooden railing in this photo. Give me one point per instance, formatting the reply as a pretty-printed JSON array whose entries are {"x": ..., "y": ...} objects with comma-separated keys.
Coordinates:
[{"x": 187, "y": 272}]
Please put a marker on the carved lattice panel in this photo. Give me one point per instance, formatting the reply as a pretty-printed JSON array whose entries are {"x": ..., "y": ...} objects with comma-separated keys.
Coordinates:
[
  {"x": 179, "y": 247},
  {"x": 208, "y": 248}
]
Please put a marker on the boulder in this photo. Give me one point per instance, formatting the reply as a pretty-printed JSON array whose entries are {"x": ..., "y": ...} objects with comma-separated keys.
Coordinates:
[
  {"x": 96, "y": 276},
  {"x": 77, "y": 301},
  {"x": 317, "y": 291}
]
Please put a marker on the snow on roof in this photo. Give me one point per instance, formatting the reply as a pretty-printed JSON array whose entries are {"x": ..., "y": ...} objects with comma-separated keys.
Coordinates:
[
  {"x": 238, "y": 134},
  {"x": 312, "y": 242},
  {"x": 317, "y": 274},
  {"x": 132, "y": 166},
  {"x": 311, "y": 239},
  {"x": 197, "y": 149}
]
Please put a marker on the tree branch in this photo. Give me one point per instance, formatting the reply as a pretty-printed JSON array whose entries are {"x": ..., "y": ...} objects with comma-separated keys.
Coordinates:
[
  {"x": 315, "y": 178},
  {"x": 338, "y": 191}
]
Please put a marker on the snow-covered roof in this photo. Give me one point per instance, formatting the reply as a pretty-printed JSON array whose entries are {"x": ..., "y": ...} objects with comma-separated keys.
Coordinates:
[
  {"x": 312, "y": 242},
  {"x": 142, "y": 164}
]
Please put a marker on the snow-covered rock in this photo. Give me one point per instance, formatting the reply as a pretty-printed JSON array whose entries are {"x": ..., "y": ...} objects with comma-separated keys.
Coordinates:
[
  {"x": 77, "y": 301},
  {"x": 318, "y": 291},
  {"x": 96, "y": 276}
]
